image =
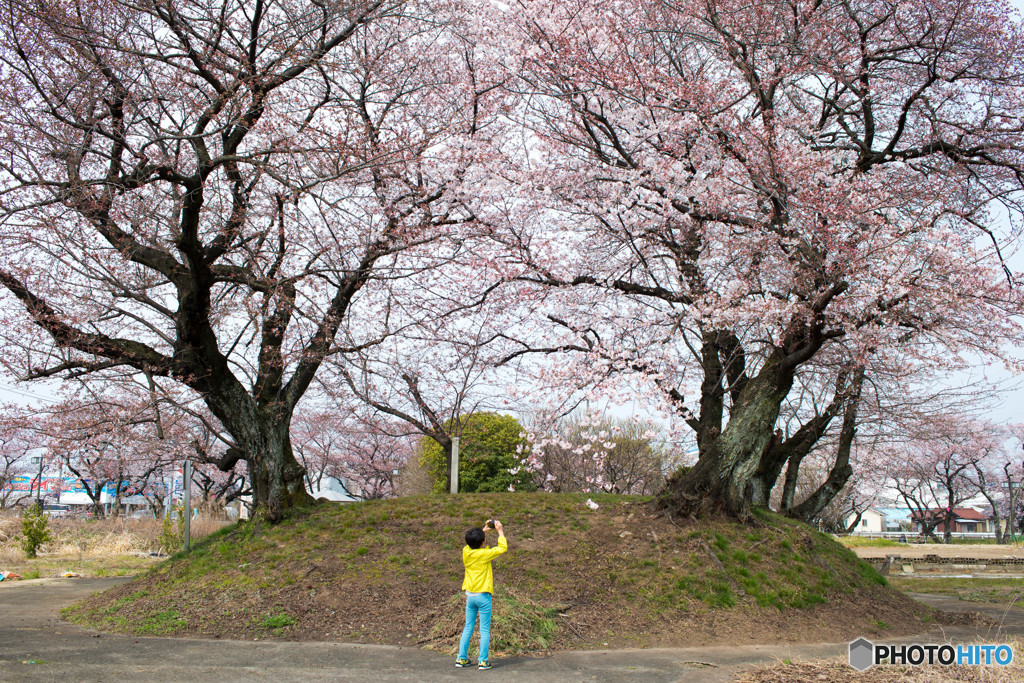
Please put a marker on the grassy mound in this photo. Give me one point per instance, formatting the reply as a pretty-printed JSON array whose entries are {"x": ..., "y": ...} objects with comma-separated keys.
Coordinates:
[{"x": 618, "y": 576}]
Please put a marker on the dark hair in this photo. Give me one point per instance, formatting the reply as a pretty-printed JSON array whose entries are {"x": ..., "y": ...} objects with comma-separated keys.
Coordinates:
[{"x": 475, "y": 538}]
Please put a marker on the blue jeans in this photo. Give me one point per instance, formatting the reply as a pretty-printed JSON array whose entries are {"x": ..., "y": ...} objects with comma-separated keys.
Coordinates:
[{"x": 477, "y": 604}]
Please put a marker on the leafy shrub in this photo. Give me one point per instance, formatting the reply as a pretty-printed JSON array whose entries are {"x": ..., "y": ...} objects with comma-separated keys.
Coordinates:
[
  {"x": 34, "y": 530},
  {"x": 487, "y": 453},
  {"x": 172, "y": 533}
]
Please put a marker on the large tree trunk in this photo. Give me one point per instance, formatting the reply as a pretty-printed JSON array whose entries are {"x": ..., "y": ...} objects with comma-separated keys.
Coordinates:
[
  {"x": 792, "y": 451},
  {"x": 769, "y": 469},
  {"x": 721, "y": 479},
  {"x": 998, "y": 525},
  {"x": 96, "y": 496},
  {"x": 277, "y": 478},
  {"x": 790, "y": 483},
  {"x": 810, "y": 509},
  {"x": 983, "y": 489}
]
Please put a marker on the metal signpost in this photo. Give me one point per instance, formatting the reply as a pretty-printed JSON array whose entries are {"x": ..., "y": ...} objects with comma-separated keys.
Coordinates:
[{"x": 455, "y": 465}]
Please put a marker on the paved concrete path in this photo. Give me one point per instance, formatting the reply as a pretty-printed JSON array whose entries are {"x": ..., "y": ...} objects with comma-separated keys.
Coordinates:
[{"x": 35, "y": 645}]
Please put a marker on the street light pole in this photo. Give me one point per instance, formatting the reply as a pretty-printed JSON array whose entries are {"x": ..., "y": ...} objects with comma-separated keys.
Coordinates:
[
  {"x": 39, "y": 486},
  {"x": 39, "y": 482}
]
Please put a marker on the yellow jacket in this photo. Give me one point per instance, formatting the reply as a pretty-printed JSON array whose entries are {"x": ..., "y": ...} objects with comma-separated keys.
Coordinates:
[{"x": 479, "y": 578}]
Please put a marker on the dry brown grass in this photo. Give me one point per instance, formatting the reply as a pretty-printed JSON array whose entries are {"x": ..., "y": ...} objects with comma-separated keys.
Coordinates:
[
  {"x": 413, "y": 480},
  {"x": 113, "y": 546},
  {"x": 838, "y": 670}
]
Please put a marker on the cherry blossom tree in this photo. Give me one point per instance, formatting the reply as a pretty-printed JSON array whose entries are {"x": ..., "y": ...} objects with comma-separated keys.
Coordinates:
[
  {"x": 720, "y": 193},
  {"x": 996, "y": 479},
  {"x": 1013, "y": 471},
  {"x": 204, "y": 191},
  {"x": 318, "y": 442},
  {"x": 943, "y": 467},
  {"x": 17, "y": 441},
  {"x": 186, "y": 429},
  {"x": 124, "y": 439},
  {"x": 361, "y": 453},
  {"x": 373, "y": 459},
  {"x": 220, "y": 489},
  {"x": 591, "y": 453},
  {"x": 988, "y": 482},
  {"x": 93, "y": 445}
]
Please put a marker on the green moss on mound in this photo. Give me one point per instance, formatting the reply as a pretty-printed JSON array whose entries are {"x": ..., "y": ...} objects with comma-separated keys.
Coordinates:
[{"x": 390, "y": 572}]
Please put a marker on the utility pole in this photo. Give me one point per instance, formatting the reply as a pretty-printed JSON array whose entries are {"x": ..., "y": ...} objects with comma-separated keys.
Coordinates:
[
  {"x": 186, "y": 484},
  {"x": 39, "y": 484},
  {"x": 1010, "y": 518}
]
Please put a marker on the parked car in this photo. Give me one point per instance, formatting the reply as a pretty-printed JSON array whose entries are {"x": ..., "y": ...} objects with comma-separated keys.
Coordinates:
[{"x": 57, "y": 510}]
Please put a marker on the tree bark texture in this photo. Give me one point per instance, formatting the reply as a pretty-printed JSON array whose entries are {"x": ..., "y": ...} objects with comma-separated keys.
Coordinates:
[{"x": 721, "y": 479}]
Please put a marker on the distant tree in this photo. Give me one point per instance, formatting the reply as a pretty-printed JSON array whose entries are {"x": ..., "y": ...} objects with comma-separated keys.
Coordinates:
[
  {"x": 1014, "y": 473},
  {"x": 591, "y": 453},
  {"x": 17, "y": 440},
  {"x": 219, "y": 488},
  {"x": 937, "y": 472},
  {"x": 107, "y": 444},
  {"x": 997, "y": 478},
  {"x": 372, "y": 461},
  {"x": 989, "y": 482},
  {"x": 34, "y": 530},
  {"x": 360, "y": 452},
  {"x": 490, "y": 449}
]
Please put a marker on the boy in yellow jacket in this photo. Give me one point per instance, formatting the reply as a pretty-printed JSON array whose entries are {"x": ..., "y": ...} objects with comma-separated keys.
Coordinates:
[{"x": 479, "y": 584}]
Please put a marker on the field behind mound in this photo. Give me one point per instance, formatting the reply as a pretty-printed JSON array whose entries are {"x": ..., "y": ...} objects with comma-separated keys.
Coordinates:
[{"x": 618, "y": 576}]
